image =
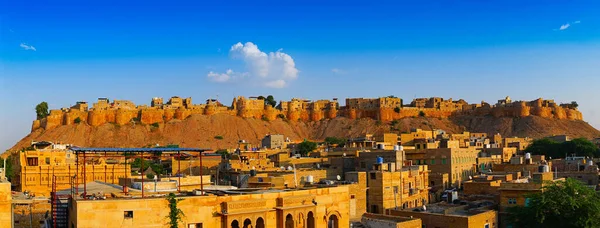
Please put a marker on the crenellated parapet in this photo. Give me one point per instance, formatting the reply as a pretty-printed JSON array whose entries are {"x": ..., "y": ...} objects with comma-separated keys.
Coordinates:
[{"x": 122, "y": 112}]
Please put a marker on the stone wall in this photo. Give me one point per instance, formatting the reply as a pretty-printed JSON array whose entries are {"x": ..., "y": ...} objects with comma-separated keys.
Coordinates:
[{"x": 301, "y": 111}]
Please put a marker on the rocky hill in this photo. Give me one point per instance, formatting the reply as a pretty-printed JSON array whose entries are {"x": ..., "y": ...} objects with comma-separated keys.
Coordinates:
[{"x": 202, "y": 130}]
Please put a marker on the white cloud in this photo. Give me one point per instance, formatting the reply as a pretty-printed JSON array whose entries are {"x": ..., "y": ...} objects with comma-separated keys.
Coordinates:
[
  {"x": 567, "y": 25},
  {"x": 276, "y": 84},
  {"x": 274, "y": 69},
  {"x": 27, "y": 47},
  {"x": 337, "y": 71},
  {"x": 218, "y": 77},
  {"x": 229, "y": 75}
]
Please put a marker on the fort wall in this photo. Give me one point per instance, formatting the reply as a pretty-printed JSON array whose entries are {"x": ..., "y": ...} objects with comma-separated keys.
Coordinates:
[{"x": 384, "y": 109}]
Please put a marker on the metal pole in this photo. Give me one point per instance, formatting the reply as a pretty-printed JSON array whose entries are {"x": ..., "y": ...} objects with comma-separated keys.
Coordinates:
[
  {"x": 126, "y": 180},
  {"x": 84, "y": 177},
  {"x": 201, "y": 179},
  {"x": 76, "y": 173},
  {"x": 142, "y": 172},
  {"x": 178, "y": 171},
  {"x": 30, "y": 217}
]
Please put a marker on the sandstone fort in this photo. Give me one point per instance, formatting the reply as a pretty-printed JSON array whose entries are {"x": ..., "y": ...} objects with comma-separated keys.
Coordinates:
[{"x": 389, "y": 108}]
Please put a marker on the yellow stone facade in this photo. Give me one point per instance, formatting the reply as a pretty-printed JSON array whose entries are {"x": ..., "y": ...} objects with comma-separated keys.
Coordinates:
[
  {"x": 290, "y": 209},
  {"x": 122, "y": 112},
  {"x": 405, "y": 188},
  {"x": 35, "y": 169},
  {"x": 5, "y": 204}
]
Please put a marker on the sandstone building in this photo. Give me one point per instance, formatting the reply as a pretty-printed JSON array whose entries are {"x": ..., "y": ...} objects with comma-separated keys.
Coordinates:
[{"x": 390, "y": 108}]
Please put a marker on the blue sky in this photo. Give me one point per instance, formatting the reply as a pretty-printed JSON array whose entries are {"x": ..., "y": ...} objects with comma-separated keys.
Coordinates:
[{"x": 476, "y": 50}]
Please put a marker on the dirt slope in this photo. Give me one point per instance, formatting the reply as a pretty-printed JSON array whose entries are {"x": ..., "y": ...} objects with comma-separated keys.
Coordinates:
[{"x": 200, "y": 130}]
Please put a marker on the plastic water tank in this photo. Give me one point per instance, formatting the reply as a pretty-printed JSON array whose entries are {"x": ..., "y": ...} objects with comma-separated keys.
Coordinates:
[
  {"x": 590, "y": 163},
  {"x": 380, "y": 146},
  {"x": 379, "y": 160},
  {"x": 527, "y": 155},
  {"x": 544, "y": 169},
  {"x": 309, "y": 179},
  {"x": 396, "y": 148}
]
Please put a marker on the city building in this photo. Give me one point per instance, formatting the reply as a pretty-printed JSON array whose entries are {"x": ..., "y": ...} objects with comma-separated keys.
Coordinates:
[
  {"x": 391, "y": 188},
  {"x": 35, "y": 168},
  {"x": 370, "y": 220},
  {"x": 317, "y": 207},
  {"x": 475, "y": 214},
  {"x": 458, "y": 163},
  {"x": 273, "y": 141}
]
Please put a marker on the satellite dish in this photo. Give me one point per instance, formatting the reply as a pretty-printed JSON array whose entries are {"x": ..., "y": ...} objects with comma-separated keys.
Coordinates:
[{"x": 339, "y": 177}]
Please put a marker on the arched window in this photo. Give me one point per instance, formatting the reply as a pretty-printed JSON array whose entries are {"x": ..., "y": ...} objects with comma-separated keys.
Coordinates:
[
  {"x": 289, "y": 221},
  {"x": 333, "y": 222},
  {"x": 235, "y": 224},
  {"x": 247, "y": 223},
  {"x": 260, "y": 223},
  {"x": 310, "y": 220}
]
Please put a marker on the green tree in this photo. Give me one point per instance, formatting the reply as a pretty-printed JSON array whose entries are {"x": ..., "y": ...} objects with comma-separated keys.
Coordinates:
[
  {"x": 561, "y": 204},
  {"x": 421, "y": 114},
  {"x": 77, "y": 120},
  {"x": 574, "y": 104},
  {"x": 270, "y": 101},
  {"x": 340, "y": 142},
  {"x": 9, "y": 168},
  {"x": 544, "y": 146},
  {"x": 306, "y": 147},
  {"x": 42, "y": 110},
  {"x": 224, "y": 153},
  {"x": 551, "y": 148},
  {"x": 397, "y": 109},
  {"x": 175, "y": 214}
]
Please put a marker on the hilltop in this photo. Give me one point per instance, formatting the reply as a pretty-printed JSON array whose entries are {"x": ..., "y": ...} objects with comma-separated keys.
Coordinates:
[{"x": 199, "y": 130}]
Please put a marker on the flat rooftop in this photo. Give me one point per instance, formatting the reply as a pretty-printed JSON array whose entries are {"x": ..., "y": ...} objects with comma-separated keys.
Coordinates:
[{"x": 463, "y": 209}]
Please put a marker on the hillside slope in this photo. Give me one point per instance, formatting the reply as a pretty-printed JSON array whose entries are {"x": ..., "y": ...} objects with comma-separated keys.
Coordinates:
[{"x": 200, "y": 130}]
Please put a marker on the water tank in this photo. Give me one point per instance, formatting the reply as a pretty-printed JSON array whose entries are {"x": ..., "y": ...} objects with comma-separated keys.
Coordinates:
[
  {"x": 590, "y": 163},
  {"x": 309, "y": 179},
  {"x": 527, "y": 155},
  {"x": 252, "y": 173},
  {"x": 379, "y": 160},
  {"x": 544, "y": 169},
  {"x": 380, "y": 146},
  {"x": 396, "y": 148},
  {"x": 290, "y": 168}
]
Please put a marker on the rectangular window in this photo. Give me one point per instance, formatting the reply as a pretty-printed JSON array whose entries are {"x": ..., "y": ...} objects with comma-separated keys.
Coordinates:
[
  {"x": 32, "y": 161},
  {"x": 47, "y": 161},
  {"x": 374, "y": 209},
  {"x": 487, "y": 225},
  {"x": 128, "y": 214},
  {"x": 373, "y": 176},
  {"x": 527, "y": 202},
  {"x": 443, "y": 161},
  {"x": 432, "y": 162}
]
